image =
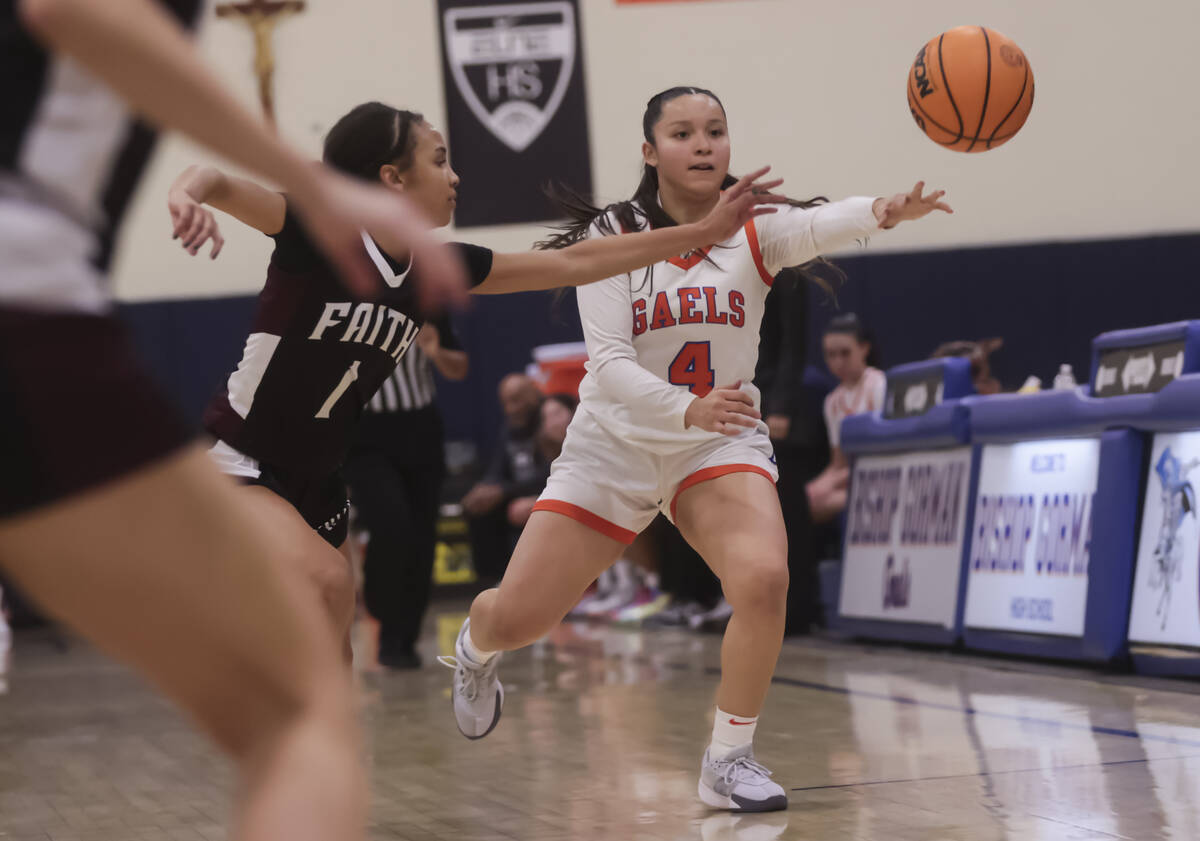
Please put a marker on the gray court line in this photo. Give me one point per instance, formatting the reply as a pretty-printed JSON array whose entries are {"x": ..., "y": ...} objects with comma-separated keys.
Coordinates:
[
  {"x": 1086, "y": 829},
  {"x": 902, "y": 699},
  {"x": 1024, "y": 719},
  {"x": 1144, "y": 760}
]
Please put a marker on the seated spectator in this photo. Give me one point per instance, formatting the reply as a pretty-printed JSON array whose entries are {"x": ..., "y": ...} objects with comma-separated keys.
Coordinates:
[
  {"x": 556, "y": 413},
  {"x": 852, "y": 357},
  {"x": 978, "y": 353},
  {"x": 517, "y": 469},
  {"x": 793, "y": 395},
  {"x": 558, "y": 410},
  {"x": 811, "y": 492}
]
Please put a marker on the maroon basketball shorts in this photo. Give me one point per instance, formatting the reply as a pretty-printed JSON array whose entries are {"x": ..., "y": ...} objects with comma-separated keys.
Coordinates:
[{"x": 77, "y": 409}]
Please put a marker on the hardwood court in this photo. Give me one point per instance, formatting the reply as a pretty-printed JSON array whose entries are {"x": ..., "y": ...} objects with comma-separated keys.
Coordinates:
[{"x": 602, "y": 736}]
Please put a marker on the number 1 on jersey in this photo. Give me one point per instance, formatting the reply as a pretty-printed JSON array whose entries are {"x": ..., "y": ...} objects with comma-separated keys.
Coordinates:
[
  {"x": 350, "y": 376},
  {"x": 692, "y": 367}
]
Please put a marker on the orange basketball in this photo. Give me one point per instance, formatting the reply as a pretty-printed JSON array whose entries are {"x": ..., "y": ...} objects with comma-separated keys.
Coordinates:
[{"x": 970, "y": 89}]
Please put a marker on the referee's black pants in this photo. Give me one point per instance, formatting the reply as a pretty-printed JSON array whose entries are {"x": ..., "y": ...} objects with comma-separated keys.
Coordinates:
[
  {"x": 397, "y": 498},
  {"x": 803, "y": 603}
]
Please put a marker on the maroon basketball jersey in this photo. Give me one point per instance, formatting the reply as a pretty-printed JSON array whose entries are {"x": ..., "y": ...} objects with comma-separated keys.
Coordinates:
[{"x": 316, "y": 354}]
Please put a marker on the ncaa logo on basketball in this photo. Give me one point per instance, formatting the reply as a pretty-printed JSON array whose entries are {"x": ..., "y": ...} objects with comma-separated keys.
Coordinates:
[{"x": 512, "y": 65}]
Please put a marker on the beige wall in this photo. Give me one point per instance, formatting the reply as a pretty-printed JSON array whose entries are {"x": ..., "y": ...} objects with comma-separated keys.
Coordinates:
[{"x": 815, "y": 89}]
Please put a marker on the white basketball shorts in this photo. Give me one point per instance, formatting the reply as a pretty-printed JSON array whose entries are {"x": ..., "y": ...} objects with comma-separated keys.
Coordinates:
[{"x": 617, "y": 488}]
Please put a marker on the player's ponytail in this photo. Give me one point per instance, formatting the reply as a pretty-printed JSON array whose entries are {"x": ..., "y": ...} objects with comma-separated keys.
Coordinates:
[{"x": 371, "y": 136}]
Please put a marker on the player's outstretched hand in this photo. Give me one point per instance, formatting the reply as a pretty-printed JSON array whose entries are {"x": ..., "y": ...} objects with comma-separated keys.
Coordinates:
[
  {"x": 908, "y": 206},
  {"x": 338, "y": 209},
  {"x": 727, "y": 410},
  {"x": 740, "y": 203},
  {"x": 193, "y": 223}
]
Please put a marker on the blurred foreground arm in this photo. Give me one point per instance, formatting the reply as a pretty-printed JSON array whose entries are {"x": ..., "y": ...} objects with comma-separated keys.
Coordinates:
[{"x": 146, "y": 58}]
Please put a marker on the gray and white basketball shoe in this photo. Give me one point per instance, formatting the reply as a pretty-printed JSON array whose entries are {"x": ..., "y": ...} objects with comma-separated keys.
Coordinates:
[
  {"x": 478, "y": 696},
  {"x": 739, "y": 784}
]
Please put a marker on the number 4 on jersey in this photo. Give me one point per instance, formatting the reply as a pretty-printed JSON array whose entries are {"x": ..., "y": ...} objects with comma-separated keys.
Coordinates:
[{"x": 692, "y": 367}]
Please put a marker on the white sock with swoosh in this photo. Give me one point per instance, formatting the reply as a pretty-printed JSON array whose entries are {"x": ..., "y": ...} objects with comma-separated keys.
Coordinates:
[{"x": 730, "y": 732}]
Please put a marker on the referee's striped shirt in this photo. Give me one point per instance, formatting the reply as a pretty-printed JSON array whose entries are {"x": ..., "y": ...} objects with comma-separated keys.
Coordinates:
[{"x": 411, "y": 385}]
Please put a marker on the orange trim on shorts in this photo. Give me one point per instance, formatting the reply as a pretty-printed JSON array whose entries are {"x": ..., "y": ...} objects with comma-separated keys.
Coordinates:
[
  {"x": 582, "y": 515},
  {"x": 715, "y": 473},
  {"x": 756, "y": 252}
]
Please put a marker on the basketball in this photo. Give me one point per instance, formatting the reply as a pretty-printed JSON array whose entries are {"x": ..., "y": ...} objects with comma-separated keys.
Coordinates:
[{"x": 970, "y": 89}]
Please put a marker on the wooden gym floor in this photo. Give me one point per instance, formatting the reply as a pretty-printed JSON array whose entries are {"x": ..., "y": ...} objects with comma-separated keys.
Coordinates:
[{"x": 601, "y": 739}]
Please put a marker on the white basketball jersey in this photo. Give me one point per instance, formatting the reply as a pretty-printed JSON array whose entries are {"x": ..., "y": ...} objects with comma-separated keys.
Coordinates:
[{"x": 661, "y": 337}]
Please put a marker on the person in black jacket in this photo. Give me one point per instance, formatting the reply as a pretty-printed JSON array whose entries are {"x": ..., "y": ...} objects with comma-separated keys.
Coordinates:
[
  {"x": 518, "y": 469},
  {"x": 810, "y": 492}
]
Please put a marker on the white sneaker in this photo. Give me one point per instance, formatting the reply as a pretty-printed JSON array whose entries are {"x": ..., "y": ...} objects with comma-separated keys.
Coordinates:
[
  {"x": 478, "y": 696},
  {"x": 600, "y": 589},
  {"x": 712, "y": 620},
  {"x": 622, "y": 593},
  {"x": 739, "y": 784},
  {"x": 646, "y": 605},
  {"x": 674, "y": 615}
]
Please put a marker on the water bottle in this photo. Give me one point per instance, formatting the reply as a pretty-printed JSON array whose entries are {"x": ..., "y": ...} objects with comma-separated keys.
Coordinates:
[{"x": 1064, "y": 380}]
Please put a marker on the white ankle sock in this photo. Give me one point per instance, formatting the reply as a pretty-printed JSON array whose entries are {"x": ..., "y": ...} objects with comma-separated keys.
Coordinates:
[
  {"x": 730, "y": 732},
  {"x": 474, "y": 654}
]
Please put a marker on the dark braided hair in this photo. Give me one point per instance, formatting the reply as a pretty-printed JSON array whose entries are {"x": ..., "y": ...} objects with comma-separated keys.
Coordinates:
[{"x": 644, "y": 207}]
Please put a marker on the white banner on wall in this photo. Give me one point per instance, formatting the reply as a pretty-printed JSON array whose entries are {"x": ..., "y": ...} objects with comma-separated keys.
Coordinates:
[
  {"x": 1031, "y": 541},
  {"x": 1166, "y": 587},
  {"x": 904, "y": 536}
]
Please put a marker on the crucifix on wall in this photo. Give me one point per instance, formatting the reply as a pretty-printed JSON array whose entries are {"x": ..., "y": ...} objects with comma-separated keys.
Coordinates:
[{"x": 262, "y": 16}]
